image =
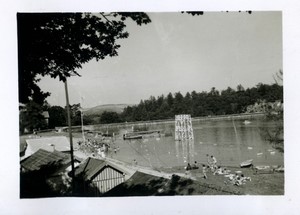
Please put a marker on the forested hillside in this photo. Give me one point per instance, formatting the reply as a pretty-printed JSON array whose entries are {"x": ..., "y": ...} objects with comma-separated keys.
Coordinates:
[
  {"x": 229, "y": 101},
  {"x": 98, "y": 110}
]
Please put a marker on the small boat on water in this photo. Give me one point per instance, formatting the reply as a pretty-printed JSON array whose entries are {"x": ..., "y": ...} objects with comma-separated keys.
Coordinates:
[
  {"x": 262, "y": 167},
  {"x": 132, "y": 137},
  {"x": 279, "y": 169},
  {"x": 142, "y": 134},
  {"x": 247, "y": 122},
  {"x": 247, "y": 163}
]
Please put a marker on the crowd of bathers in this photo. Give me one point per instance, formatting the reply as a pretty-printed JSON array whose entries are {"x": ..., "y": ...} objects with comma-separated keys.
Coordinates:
[
  {"x": 97, "y": 147},
  {"x": 235, "y": 179}
]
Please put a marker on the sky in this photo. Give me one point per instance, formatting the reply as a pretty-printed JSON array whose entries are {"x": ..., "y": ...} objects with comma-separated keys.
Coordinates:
[{"x": 179, "y": 53}]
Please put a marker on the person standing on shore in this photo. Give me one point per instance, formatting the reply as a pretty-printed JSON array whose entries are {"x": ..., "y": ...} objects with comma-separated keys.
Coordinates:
[
  {"x": 195, "y": 165},
  {"x": 208, "y": 160},
  {"x": 214, "y": 162},
  {"x": 188, "y": 167},
  {"x": 204, "y": 171}
]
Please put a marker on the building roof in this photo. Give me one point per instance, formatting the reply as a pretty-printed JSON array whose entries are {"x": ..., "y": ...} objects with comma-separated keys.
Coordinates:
[
  {"x": 42, "y": 158},
  {"x": 58, "y": 143},
  {"x": 91, "y": 167}
]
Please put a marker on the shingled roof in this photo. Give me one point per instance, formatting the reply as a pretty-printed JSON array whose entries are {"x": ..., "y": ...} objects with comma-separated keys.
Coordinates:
[
  {"x": 91, "y": 166},
  {"x": 42, "y": 158}
]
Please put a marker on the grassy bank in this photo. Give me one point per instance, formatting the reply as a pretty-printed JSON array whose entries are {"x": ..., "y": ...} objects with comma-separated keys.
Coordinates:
[{"x": 262, "y": 183}]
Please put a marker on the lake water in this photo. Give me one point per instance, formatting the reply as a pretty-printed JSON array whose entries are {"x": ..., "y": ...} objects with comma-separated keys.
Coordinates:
[{"x": 231, "y": 142}]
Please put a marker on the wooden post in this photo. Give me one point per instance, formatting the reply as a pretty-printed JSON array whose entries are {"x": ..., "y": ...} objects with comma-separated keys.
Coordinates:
[{"x": 70, "y": 135}]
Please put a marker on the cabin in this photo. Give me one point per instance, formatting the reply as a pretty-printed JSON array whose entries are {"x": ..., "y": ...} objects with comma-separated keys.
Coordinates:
[
  {"x": 43, "y": 158},
  {"x": 99, "y": 176},
  {"x": 50, "y": 167}
]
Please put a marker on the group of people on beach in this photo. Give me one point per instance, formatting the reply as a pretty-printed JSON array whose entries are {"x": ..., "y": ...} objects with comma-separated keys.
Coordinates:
[
  {"x": 211, "y": 162},
  {"x": 97, "y": 147},
  {"x": 237, "y": 179},
  {"x": 212, "y": 166},
  {"x": 190, "y": 167}
]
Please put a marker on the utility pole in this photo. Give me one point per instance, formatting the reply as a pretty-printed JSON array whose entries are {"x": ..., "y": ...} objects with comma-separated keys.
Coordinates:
[
  {"x": 70, "y": 135},
  {"x": 82, "y": 129},
  {"x": 81, "y": 114}
]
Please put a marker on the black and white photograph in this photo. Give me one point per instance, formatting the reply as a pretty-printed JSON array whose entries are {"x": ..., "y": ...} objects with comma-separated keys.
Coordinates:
[
  {"x": 151, "y": 104},
  {"x": 150, "y": 107}
]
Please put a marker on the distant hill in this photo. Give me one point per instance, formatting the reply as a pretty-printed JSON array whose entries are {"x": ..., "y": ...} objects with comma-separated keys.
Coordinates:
[{"x": 98, "y": 110}]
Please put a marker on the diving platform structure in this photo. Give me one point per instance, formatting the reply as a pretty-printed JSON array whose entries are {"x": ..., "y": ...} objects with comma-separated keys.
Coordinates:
[
  {"x": 184, "y": 137},
  {"x": 183, "y": 127}
]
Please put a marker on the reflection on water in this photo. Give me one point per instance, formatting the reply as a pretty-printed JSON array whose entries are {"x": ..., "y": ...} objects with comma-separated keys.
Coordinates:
[
  {"x": 185, "y": 151},
  {"x": 231, "y": 142}
]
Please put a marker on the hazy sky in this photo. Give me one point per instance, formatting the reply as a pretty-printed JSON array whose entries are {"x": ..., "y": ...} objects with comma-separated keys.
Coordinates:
[{"x": 180, "y": 52}]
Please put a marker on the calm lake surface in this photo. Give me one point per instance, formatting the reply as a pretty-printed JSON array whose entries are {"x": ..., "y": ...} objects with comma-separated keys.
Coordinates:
[{"x": 230, "y": 141}]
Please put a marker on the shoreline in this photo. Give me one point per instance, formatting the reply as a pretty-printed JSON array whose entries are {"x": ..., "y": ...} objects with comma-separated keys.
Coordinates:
[
  {"x": 242, "y": 116},
  {"x": 262, "y": 183}
]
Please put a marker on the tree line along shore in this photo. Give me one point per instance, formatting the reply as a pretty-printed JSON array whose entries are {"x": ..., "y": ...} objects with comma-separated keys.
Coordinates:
[{"x": 200, "y": 105}]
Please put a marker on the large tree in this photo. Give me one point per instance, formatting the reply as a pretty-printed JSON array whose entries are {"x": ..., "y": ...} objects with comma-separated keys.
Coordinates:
[
  {"x": 57, "y": 44},
  {"x": 57, "y": 116}
]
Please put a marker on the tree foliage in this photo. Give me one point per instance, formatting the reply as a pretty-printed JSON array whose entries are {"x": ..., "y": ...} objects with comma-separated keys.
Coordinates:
[
  {"x": 76, "y": 117},
  {"x": 36, "y": 184},
  {"x": 278, "y": 78},
  {"x": 57, "y": 117},
  {"x": 31, "y": 117},
  {"x": 228, "y": 101},
  {"x": 109, "y": 117},
  {"x": 57, "y": 44},
  {"x": 274, "y": 134},
  {"x": 203, "y": 103}
]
